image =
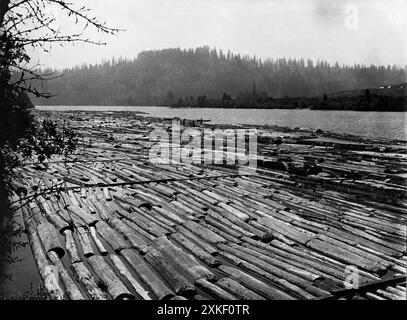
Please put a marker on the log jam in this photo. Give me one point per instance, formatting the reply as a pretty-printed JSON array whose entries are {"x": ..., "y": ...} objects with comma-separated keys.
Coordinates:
[{"x": 320, "y": 209}]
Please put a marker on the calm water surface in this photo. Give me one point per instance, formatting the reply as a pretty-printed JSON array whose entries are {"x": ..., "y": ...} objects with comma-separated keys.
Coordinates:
[{"x": 368, "y": 124}]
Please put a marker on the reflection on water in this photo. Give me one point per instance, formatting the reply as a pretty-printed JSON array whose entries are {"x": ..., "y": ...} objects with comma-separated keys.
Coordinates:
[
  {"x": 18, "y": 271},
  {"x": 391, "y": 125}
]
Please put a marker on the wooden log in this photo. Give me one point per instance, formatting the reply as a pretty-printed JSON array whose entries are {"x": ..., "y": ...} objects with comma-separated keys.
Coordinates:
[
  {"x": 85, "y": 242},
  {"x": 299, "y": 271},
  {"x": 362, "y": 253},
  {"x": 239, "y": 214},
  {"x": 82, "y": 214},
  {"x": 196, "y": 250},
  {"x": 190, "y": 207},
  {"x": 72, "y": 196},
  {"x": 179, "y": 298},
  {"x": 71, "y": 247},
  {"x": 275, "y": 271},
  {"x": 296, "y": 257},
  {"x": 203, "y": 197},
  {"x": 345, "y": 256},
  {"x": 114, "y": 285},
  {"x": 111, "y": 237},
  {"x": 168, "y": 214},
  {"x": 254, "y": 284},
  {"x": 102, "y": 211},
  {"x": 238, "y": 290},
  {"x": 144, "y": 272},
  {"x": 98, "y": 243},
  {"x": 215, "y": 196},
  {"x": 184, "y": 207},
  {"x": 107, "y": 194},
  {"x": 186, "y": 215},
  {"x": 128, "y": 234},
  {"x": 49, "y": 237},
  {"x": 48, "y": 273},
  {"x": 131, "y": 201},
  {"x": 145, "y": 224},
  {"x": 207, "y": 247},
  {"x": 72, "y": 219},
  {"x": 184, "y": 260},
  {"x": 214, "y": 290},
  {"x": 139, "y": 231},
  {"x": 295, "y": 290},
  {"x": 240, "y": 226},
  {"x": 164, "y": 223},
  {"x": 124, "y": 272},
  {"x": 53, "y": 217},
  {"x": 287, "y": 230},
  {"x": 190, "y": 199},
  {"x": 179, "y": 284},
  {"x": 71, "y": 288},
  {"x": 35, "y": 213},
  {"x": 88, "y": 282},
  {"x": 203, "y": 232},
  {"x": 220, "y": 231}
]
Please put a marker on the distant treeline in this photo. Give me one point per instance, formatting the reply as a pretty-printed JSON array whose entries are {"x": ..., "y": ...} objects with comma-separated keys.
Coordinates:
[
  {"x": 162, "y": 77},
  {"x": 393, "y": 98}
]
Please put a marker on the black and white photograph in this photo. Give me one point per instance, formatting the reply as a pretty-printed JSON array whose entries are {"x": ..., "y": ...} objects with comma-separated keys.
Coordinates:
[{"x": 203, "y": 153}]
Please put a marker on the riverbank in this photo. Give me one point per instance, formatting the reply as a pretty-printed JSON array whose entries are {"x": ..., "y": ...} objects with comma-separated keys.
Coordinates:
[{"x": 117, "y": 226}]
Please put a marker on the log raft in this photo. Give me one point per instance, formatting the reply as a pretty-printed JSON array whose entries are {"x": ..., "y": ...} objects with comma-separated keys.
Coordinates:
[{"x": 320, "y": 206}]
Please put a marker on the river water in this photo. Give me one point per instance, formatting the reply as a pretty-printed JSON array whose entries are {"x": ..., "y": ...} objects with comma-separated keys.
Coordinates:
[{"x": 391, "y": 125}]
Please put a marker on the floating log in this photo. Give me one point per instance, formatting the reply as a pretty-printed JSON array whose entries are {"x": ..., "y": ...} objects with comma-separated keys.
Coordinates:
[
  {"x": 98, "y": 243},
  {"x": 207, "y": 247},
  {"x": 254, "y": 284},
  {"x": 71, "y": 288},
  {"x": 147, "y": 225},
  {"x": 53, "y": 217},
  {"x": 85, "y": 242},
  {"x": 345, "y": 256},
  {"x": 144, "y": 294},
  {"x": 114, "y": 285},
  {"x": 111, "y": 237},
  {"x": 83, "y": 215},
  {"x": 50, "y": 239},
  {"x": 71, "y": 247},
  {"x": 48, "y": 273},
  {"x": 196, "y": 250},
  {"x": 86, "y": 279},
  {"x": 238, "y": 290},
  {"x": 278, "y": 272},
  {"x": 179, "y": 284},
  {"x": 128, "y": 234},
  {"x": 214, "y": 290},
  {"x": 144, "y": 272},
  {"x": 203, "y": 232},
  {"x": 178, "y": 298},
  {"x": 184, "y": 260}
]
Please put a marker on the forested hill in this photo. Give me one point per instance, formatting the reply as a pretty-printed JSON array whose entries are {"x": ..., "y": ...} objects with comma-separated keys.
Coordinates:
[{"x": 162, "y": 77}]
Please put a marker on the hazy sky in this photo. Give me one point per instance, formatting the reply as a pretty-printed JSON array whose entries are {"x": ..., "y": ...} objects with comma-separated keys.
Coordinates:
[{"x": 347, "y": 31}]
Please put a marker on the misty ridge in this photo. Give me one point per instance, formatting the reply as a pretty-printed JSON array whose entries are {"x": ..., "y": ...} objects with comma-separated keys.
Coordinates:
[{"x": 163, "y": 77}]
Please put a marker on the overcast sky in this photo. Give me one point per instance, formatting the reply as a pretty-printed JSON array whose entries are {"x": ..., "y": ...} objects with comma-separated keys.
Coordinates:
[{"x": 347, "y": 31}]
